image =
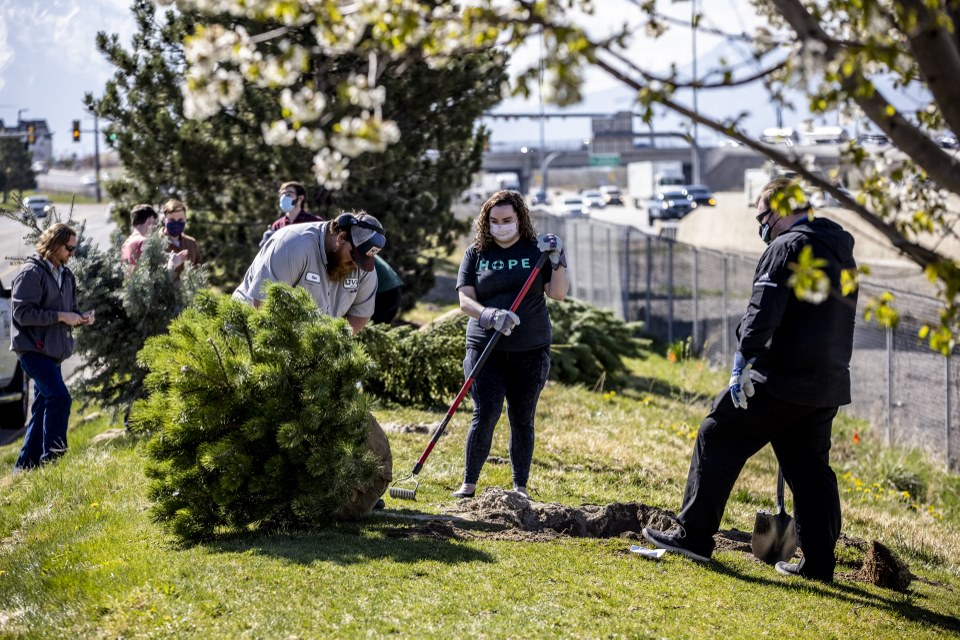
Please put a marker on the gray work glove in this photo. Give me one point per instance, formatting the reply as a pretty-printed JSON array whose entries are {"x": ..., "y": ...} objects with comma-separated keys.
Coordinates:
[
  {"x": 502, "y": 320},
  {"x": 549, "y": 243},
  {"x": 742, "y": 377}
]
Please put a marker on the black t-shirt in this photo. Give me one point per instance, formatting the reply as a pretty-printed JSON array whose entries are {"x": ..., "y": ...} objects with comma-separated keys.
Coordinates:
[{"x": 498, "y": 274}]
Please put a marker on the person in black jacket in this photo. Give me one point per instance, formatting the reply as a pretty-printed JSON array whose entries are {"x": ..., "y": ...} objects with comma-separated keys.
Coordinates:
[
  {"x": 797, "y": 353},
  {"x": 44, "y": 313}
]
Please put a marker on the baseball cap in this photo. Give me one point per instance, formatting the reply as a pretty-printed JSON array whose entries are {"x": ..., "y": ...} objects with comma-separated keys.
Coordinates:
[{"x": 367, "y": 239}]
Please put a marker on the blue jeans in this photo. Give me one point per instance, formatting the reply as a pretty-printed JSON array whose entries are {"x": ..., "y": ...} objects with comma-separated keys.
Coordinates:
[
  {"x": 46, "y": 437},
  {"x": 518, "y": 377}
]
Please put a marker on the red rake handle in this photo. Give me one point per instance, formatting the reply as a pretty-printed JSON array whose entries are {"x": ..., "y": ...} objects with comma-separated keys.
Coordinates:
[{"x": 487, "y": 350}]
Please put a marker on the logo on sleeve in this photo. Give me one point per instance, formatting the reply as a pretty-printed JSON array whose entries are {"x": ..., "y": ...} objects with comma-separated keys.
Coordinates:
[{"x": 765, "y": 281}]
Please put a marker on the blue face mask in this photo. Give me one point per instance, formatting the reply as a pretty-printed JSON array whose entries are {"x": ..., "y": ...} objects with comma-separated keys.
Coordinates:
[
  {"x": 286, "y": 203},
  {"x": 176, "y": 227}
]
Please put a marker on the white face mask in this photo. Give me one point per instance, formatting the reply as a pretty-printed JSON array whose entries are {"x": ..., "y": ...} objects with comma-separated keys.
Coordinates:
[{"x": 503, "y": 231}]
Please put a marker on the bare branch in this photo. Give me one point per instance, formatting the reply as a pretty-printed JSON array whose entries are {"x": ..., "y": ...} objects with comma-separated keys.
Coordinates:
[
  {"x": 649, "y": 77},
  {"x": 915, "y": 252},
  {"x": 939, "y": 165},
  {"x": 935, "y": 51}
]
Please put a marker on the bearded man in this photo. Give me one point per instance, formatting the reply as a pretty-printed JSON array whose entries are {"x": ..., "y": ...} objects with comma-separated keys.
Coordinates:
[{"x": 332, "y": 260}]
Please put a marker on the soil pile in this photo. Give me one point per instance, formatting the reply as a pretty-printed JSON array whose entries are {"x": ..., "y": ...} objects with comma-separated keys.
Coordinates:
[
  {"x": 515, "y": 510},
  {"x": 882, "y": 568}
]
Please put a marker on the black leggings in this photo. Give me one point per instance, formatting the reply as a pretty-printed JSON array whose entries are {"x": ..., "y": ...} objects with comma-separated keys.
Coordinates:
[{"x": 518, "y": 377}]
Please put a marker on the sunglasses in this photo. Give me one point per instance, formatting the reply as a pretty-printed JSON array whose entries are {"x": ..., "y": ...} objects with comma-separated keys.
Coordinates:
[
  {"x": 69, "y": 247},
  {"x": 763, "y": 215}
]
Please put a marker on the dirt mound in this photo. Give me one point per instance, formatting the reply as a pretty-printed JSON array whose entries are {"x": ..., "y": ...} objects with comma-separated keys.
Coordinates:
[
  {"x": 882, "y": 568},
  {"x": 515, "y": 510}
]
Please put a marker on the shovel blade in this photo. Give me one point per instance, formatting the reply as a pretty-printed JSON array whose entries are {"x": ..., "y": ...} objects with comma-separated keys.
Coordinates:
[{"x": 774, "y": 537}]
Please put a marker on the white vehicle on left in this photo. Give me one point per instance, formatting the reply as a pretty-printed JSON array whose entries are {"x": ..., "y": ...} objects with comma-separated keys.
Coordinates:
[{"x": 14, "y": 385}]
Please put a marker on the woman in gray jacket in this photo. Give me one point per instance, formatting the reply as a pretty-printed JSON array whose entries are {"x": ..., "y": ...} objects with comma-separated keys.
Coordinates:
[{"x": 44, "y": 313}]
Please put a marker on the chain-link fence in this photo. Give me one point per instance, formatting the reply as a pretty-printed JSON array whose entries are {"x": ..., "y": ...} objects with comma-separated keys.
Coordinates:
[{"x": 681, "y": 292}]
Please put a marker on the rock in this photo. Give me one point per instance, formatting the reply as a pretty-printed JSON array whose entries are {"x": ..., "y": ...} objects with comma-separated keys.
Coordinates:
[{"x": 366, "y": 497}]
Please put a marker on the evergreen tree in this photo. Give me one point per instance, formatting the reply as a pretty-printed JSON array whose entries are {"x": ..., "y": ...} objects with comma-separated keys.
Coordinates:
[
  {"x": 229, "y": 176},
  {"x": 256, "y": 415},
  {"x": 15, "y": 171},
  {"x": 132, "y": 305}
]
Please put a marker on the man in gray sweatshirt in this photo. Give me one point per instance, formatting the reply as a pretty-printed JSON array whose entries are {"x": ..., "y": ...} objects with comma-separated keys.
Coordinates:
[{"x": 44, "y": 314}]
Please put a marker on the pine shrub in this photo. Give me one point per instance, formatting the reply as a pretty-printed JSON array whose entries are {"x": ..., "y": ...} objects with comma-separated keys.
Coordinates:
[
  {"x": 131, "y": 305},
  {"x": 590, "y": 344},
  {"x": 256, "y": 415},
  {"x": 425, "y": 368},
  {"x": 422, "y": 368}
]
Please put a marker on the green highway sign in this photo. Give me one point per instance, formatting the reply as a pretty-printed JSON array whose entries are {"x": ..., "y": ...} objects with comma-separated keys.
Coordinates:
[{"x": 605, "y": 160}]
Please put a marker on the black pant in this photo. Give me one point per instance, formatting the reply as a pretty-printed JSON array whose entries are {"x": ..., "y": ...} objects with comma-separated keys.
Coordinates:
[
  {"x": 386, "y": 305},
  {"x": 800, "y": 437},
  {"x": 518, "y": 377}
]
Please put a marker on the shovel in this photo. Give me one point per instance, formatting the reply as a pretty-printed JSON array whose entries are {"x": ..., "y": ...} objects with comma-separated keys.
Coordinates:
[{"x": 774, "y": 535}]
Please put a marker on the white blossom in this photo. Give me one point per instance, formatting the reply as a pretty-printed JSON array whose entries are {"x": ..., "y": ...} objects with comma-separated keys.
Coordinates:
[
  {"x": 306, "y": 105},
  {"x": 278, "y": 133},
  {"x": 330, "y": 167}
]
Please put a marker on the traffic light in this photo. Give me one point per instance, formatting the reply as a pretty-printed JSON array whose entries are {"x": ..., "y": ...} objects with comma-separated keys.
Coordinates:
[
  {"x": 31, "y": 133},
  {"x": 76, "y": 131}
]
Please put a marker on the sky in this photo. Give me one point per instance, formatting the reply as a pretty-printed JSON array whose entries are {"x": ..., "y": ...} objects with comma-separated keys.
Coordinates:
[{"x": 48, "y": 61}]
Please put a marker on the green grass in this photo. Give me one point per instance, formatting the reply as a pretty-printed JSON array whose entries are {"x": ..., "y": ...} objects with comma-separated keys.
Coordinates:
[{"x": 80, "y": 556}]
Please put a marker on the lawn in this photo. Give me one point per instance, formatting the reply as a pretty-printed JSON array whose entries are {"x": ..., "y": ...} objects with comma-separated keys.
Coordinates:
[{"x": 80, "y": 556}]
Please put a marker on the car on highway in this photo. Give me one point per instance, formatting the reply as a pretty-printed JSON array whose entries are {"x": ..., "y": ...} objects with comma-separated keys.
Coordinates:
[
  {"x": 89, "y": 179},
  {"x": 38, "y": 205},
  {"x": 700, "y": 194},
  {"x": 594, "y": 197},
  {"x": 14, "y": 385},
  {"x": 612, "y": 194},
  {"x": 670, "y": 205},
  {"x": 573, "y": 206}
]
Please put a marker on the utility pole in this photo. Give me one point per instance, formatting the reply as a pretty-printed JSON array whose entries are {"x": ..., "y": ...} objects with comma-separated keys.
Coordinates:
[
  {"x": 96, "y": 156},
  {"x": 694, "y": 22}
]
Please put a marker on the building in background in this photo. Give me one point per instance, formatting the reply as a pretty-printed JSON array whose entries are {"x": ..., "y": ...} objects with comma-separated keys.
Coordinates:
[
  {"x": 612, "y": 134},
  {"x": 36, "y": 135}
]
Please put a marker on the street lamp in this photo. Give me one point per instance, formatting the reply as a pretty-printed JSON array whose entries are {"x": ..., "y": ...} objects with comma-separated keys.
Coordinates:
[{"x": 19, "y": 111}]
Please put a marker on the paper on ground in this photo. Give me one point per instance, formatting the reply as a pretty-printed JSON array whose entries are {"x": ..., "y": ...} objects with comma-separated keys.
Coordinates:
[{"x": 647, "y": 553}]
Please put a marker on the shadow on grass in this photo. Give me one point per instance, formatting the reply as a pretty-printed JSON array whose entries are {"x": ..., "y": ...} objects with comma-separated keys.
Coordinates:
[
  {"x": 661, "y": 387},
  {"x": 375, "y": 538},
  {"x": 898, "y": 603}
]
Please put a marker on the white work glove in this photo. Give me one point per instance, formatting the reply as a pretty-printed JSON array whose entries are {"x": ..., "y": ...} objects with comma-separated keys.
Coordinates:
[
  {"x": 742, "y": 377},
  {"x": 551, "y": 244},
  {"x": 176, "y": 259},
  {"x": 502, "y": 320}
]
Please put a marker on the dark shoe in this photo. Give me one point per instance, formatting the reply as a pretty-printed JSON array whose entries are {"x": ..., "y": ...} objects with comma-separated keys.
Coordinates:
[
  {"x": 676, "y": 542},
  {"x": 796, "y": 569},
  {"x": 463, "y": 494},
  {"x": 380, "y": 505}
]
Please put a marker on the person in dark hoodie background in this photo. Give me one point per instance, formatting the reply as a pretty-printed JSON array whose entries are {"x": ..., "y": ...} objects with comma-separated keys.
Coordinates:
[
  {"x": 798, "y": 355},
  {"x": 44, "y": 313}
]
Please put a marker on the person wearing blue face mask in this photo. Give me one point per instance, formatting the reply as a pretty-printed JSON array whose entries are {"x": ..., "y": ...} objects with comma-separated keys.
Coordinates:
[
  {"x": 293, "y": 204},
  {"x": 182, "y": 247}
]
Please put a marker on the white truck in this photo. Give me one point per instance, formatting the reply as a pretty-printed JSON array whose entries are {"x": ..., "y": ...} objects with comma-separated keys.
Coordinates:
[
  {"x": 14, "y": 385},
  {"x": 490, "y": 183},
  {"x": 646, "y": 179}
]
